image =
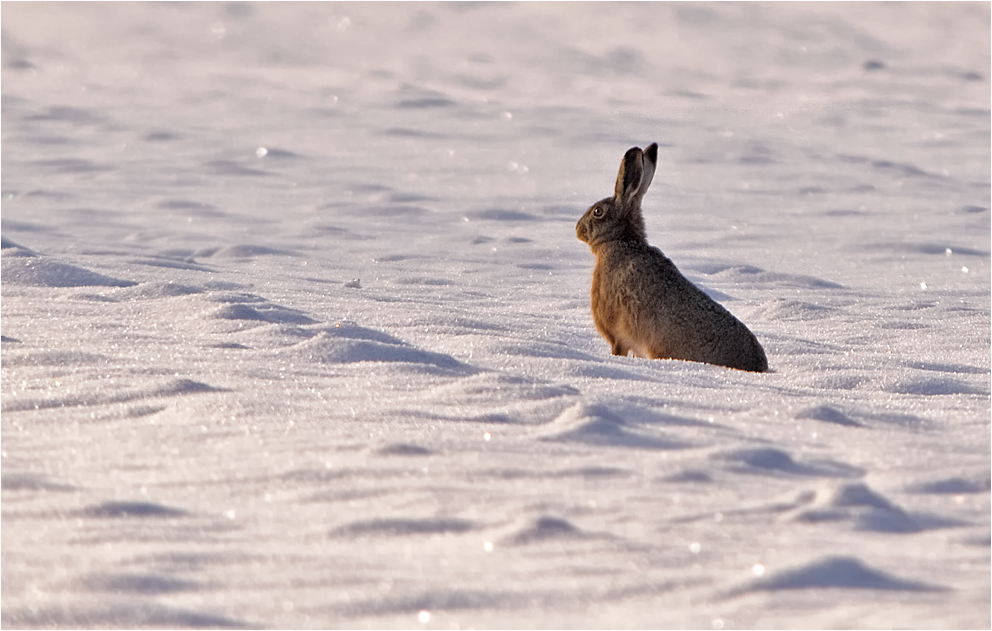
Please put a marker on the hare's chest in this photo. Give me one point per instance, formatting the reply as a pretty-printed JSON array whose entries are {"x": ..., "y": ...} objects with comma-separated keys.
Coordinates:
[
  {"x": 615, "y": 305},
  {"x": 619, "y": 283},
  {"x": 631, "y": 304}
]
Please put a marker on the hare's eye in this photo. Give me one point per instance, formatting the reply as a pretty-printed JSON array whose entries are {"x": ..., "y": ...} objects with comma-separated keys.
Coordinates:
[{"x": 598, "y": 211}]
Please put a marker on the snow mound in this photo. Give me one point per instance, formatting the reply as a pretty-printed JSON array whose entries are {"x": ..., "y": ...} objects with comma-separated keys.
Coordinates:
[
  {"x": 545, "y": 529},
  {"x": 43, "y": 272},
  {"x": 156, "y": 290},
  {"x": 271, "y": 313},
  {"x": 865, "y": 509},
  {"x": 774, "y": 461},
  {"x": 839, "y": 572},
  {"x": 328, "y": 348},
  {"x": 613, "y": 426},
  {"x": 793, "y": 310}
]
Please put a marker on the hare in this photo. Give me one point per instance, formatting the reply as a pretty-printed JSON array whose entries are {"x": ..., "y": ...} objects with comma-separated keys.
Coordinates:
[{"x": 640, "y": 300}]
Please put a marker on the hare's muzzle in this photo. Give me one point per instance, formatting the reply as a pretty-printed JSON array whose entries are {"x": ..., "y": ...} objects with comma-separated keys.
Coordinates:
[{"x": 582, "y": 230}]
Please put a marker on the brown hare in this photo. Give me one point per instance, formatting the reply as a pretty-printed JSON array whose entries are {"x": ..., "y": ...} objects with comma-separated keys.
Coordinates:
[{"x": 640, "y": 300}]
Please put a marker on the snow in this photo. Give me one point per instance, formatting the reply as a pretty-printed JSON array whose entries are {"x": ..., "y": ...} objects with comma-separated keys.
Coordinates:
[{"x": 296, "y": 327}]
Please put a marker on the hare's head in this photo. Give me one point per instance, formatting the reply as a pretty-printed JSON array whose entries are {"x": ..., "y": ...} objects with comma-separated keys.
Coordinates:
[{"x": 619, "y": 217}]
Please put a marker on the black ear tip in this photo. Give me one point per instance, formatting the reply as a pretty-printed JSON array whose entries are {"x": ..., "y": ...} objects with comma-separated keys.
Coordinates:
[{"x": 652, "y": 151}]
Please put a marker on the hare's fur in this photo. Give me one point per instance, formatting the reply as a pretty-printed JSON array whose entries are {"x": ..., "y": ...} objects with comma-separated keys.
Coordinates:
[{"x": 640, "y": 300}]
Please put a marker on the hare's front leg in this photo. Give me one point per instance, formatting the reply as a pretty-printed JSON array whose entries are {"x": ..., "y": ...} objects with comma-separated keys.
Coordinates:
[{"x": 616, "y": 346}]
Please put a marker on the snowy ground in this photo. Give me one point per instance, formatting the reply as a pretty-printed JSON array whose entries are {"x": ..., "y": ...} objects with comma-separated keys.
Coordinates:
[{"x": 296, "y": 328}]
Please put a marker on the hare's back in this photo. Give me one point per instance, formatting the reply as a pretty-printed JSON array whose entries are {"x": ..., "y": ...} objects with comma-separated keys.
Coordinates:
[{"x": 688, "y": 324}]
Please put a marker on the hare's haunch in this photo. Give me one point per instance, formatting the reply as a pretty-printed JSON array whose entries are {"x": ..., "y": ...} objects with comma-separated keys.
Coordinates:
[{"x": 640, "y": 300}]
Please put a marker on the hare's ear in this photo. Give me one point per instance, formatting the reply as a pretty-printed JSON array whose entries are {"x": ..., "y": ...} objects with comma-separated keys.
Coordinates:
[
  {"x": 629, "y": 177},
  {"x": 649, "y": 163}
]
